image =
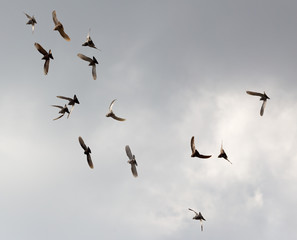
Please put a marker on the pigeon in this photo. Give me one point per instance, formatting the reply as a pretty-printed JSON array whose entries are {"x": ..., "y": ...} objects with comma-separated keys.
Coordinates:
[
  {"x": 72, "y": 101},
  {"x": 62, "y": 111},
  {"x": 132, "y": 161},
  {"x": 46, "y": 56},
  {"x": 87, "y": 151},
  {"x": 92, "y": 62},
  {"x": 32, "y": 21},
  {"x": 195, "y": 153},
  {"x": 263, "y": 98},
  {"x": 223, "y": 154},
  {"x": 198, "y": 216},
  {"x": 111, "y": 114},
  {"x": 89, "y": 42},
  {"x": 59, "y": 26}
]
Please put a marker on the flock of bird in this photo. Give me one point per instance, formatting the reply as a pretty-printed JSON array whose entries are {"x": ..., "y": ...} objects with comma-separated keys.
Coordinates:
[{"x": 72, "y": 101}]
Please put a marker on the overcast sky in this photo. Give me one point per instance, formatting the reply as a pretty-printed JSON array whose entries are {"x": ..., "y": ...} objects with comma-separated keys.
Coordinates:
[{"x": 177, "y": 69}]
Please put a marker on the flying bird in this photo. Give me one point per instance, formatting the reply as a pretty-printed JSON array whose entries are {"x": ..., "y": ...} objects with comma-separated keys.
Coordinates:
[
  {"x": 111, "y": 114},
  {"x": 263, "y": 97},
  {"x": 71, "y": 101},
  {"x": 62, "y": 111},
  {"x": 46, "y": 56},
  {"x": 92, "y": 62},
  {"x": 223, "y": 154},
  {"x": 87, "y": 151},
  {"x": 132, "y": 161},
  {"x": 195, "y": 153},
  {"x": 198, "y": 216},
  {"x": 32, "y": 21},
  {"x": 89, "y": 42},
  {"x": 59, "y": 26}
]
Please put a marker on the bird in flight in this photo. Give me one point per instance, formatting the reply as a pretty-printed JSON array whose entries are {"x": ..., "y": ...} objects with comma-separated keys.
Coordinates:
[
  {"x": 62, "y": 111},
  {"x": 32, "y": 21},
  {"x": 46, "y": 56},
  {"x": 263, "y": 97},
  {"x": 87, "y": 151},
  {"x": 89, "y": 42},
  {"x": 71, "y": 101},
  {"x": 198, "y": 216},
  {"x": 195, "y": 153},
  {"x": 59, "y": 26},
  {"x": 223, "y": 154},
  {"x": 111, "y": 114},
  {"x": 132, "y": 161},
  {"x": 92, "y": 62}
]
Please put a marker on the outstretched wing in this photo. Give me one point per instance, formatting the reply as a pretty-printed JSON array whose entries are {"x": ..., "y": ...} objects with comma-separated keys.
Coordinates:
[
  {"x": 66, "y": 98},
  {"x": 263, "y": 107},
  {"x": 55, "y": 19},
  {"x": 82, "y": 143},
  {"x": 255, "y": 93},
  {"x": 193, "y": 144},
  {"x": 94, "y": 74},
  {"x": 111, "y": 104},
  {"x": 89, "y": 159},
  {"x": 134, "y": 171},
  {"x": 46, "y": 66},
  {"x": 118, "y": 118},
  {"x": 83, "y": 57},
  {"x": 129, "y": 153},
  {"x": 58, "y": 106},
  {"x": 59, "y": 117},
  {"x": 193, "y": 211},
  {"x": 40, "y": 49},
  {"x": 27, "y": 15}
]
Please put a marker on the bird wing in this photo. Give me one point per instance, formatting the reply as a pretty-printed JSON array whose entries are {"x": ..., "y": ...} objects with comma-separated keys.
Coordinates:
[
  {"x": 89, "y": 159},
  {"x": 46, "y": 66},
  {"x": 63, "y": 34},
  {"x": 193, "y": 211},
  {"x": 40, "y": 49},
  {"x": 203, "y": 156},
  {"x": 83, "y": 57},
  {"x": 118, "y": 118},
  {"x": 58, "y": 106},
  {"x": 55, "y": 19},
  {"x": 134, "y": 170},
  {"x": 255, "y": 93},
  {"x": 70, "y": 111},
  {"x": 33, "y": 27},
  {"x": 66, "y": 98},
  {"x": 94, "y": 74},
  {"x": 27, "y": 15},
  {"x": 193, "y": 144},
  {"x": 59, "y": 117},
  {"x": 82, "y": 143},
  {"x": 129, "y": 153},
  {"x": 111, "y": 104},
  {"x": 263, "y": 107}
]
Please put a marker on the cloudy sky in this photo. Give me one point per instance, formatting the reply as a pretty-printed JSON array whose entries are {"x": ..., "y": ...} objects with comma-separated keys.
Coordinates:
[{"x": 177, "y": 69}]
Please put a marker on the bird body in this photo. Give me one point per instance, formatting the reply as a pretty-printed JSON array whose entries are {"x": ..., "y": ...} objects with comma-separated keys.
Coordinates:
[
  {"x": 223, "y": 154},
  {"x": 131, "y": 161},
  {"x": 46, "y": 56},
  {"x": 195, "y": 153},
  {"x": 198, "y": 216},
  {"x": 31, "y": 21},
  {"x": 263, "y": 97},
  {"x": 62, "y": 111},
  {"x": 87, "y": 151},
  {"x": 71, "y": 101},
  {"x": 59, "y": 26},
  {"x": 111, "y": 113},
  {"x": 92, "y": 62},
  {"x": 89, "y": 42}
]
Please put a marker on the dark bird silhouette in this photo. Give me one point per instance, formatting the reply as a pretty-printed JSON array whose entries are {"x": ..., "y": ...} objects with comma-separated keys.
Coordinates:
[
  {"x": 198, "y": 216},
  {"x": 132, "y": 161},
  {"x": 195, "y": 153},
  {"x": 87, "y": 151},
  {"x": 62, "y": 111},
  {"x": 111, "y": 113},
  {"x": 71, "y": 101},
  {"x": 92, "y": 62},
  {"x": 32, "y": 21},
  {"x": 223, "y": 154},
  {"x": 89, "y": 42},
  {"x": 46, "y": 56},
  {"x": 263, "y": 97},
  {"x": 59, "y": 27}
]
